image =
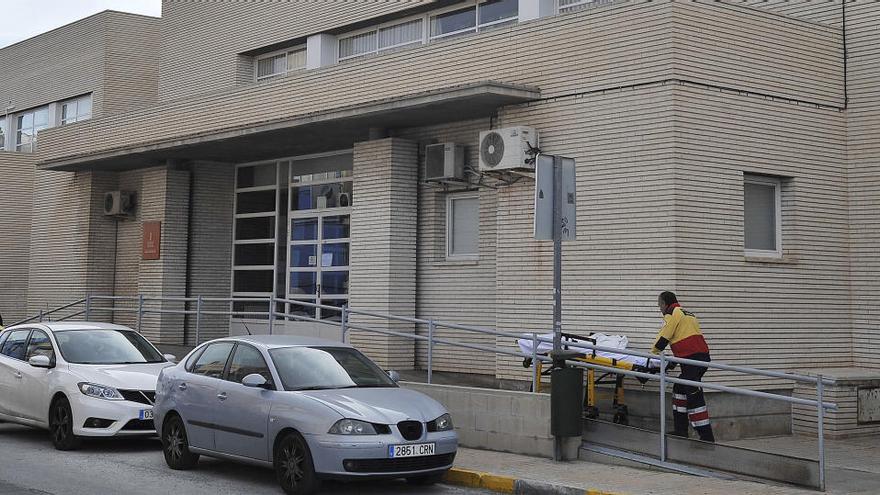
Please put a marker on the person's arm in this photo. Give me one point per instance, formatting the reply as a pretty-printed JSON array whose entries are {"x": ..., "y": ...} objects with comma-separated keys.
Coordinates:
[{"x": 666, "y": 333}]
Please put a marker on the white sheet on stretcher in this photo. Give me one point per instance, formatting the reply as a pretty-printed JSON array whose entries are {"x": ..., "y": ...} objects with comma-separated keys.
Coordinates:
[{"x": 602, "y": 340}]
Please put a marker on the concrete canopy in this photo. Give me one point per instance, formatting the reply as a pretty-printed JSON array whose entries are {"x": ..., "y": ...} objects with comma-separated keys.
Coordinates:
[{"x": 335, "y": 128}]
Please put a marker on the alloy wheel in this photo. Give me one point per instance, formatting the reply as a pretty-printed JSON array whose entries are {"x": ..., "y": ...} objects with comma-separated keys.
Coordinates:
[{"x": 293, "y": 459}]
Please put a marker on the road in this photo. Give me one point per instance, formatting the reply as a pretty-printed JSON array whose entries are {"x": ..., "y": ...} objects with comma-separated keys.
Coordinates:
[{"x": 29, "y": 465}]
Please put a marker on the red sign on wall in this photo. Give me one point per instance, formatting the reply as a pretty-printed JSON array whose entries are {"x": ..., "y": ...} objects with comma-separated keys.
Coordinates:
[{"x": 152, "y": 234}]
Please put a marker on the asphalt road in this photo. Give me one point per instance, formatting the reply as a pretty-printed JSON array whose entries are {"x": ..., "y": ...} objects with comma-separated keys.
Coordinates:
[{"x": 29, "y": 465}]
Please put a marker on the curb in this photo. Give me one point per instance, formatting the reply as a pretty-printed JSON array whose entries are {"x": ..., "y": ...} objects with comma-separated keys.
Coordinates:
[{"x": 509, "y": 484}]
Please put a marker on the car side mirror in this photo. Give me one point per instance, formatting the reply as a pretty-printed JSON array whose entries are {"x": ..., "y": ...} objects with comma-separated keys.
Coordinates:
[
  {"x": 171, "y": 358},
  {"x": 254, "y": 380},
  {"x": 395, "y": 376},
  {"x": 40, "y": 362}
]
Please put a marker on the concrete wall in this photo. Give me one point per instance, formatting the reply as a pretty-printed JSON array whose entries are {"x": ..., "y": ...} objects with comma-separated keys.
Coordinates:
[
  {"x": 844, "y": 422},
  {"x": 502, "y": 420}
]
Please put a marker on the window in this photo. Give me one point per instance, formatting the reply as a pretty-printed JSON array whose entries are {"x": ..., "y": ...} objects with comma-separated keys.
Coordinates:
[
  {"x": 473, "y": 18},
  {"x": 256, "y": 205},
  {"x": 462, "y": 226},
  {"x": 566, "y": 6},
  {"x": 28, "y": 125},
  {"x": 213, "y": 360},
  {"x": 3, "y": 133},
  {"x": 382, "y": 38},
  {"x": 246, "y": 361},
  {"x": 16, "y": 344},
  {"x": 280, "y": 63},
  {"x": 76, "y": 110},
  {"x": 762, "y": 207},
  {"x": 40, "y": 345}
]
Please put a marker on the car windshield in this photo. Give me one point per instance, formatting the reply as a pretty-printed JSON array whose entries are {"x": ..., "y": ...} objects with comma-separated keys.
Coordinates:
[
  {"x": 106, "y": 346},
  {"x": 319, "y": 368}
]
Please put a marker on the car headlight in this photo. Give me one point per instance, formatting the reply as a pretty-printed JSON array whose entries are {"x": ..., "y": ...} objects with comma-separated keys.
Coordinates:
[
  {"x": 352, "y": 427},
  {"x": 443, "y": 423},
  {"x": 100, "y": 391}
]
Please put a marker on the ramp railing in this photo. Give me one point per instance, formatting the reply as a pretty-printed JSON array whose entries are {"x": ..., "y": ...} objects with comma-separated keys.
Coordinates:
[{"x": 200, "y": 306}]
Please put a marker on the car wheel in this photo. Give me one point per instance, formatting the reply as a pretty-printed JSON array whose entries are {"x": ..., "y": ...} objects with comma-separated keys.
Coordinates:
[
  {"x": 61, "y": 425},
  {"x": 425, "y": 480},
  {"x": 175, "y": 445},
  {"x": 294, "y": 467}
]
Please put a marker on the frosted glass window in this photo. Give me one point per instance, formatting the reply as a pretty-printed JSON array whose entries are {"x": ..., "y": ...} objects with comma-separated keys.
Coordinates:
[
  {"x": 400, "y": 34},
  {"x": 271, "y": 66},
  {"x": 357, "y": 45},
  {"x": 296, "y": 60},
  {"x": 761, "y": 215},
  {"x": 463, "y": 226}
]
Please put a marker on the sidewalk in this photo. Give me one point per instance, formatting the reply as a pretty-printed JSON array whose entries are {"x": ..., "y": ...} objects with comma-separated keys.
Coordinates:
[{"x": 852, "y": 469}]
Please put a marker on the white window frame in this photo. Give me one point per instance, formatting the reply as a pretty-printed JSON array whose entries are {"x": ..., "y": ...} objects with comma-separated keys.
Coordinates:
[
  {"x": 580, "y": 5},
  {"x": 60, "y": 112},
  {"x": 777, "y": 185},
  {"x": 450, "y": 198},
  {"x": 375, "y": 29},
  {"x": 478, "y": 28},
  {"x": 287, "y": 70},
  {"x": 18, "y": 147},
  {"x": 4, "y": 126}
]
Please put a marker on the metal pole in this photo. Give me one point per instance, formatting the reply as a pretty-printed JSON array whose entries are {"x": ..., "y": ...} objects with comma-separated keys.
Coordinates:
[
  {"x": 198, "y": 319},
  {"x": 41, "y": 316},
  {"x": 535, "y": 363},
  {"x": 430, "y": 350},
  {"x": 140, "y": 319},
  {"x": 662, "y": 407},
  {"x": 344, "y": 321},
  {"x": 557, "y": 277},
  {"x": 820, "y": 392},
  {"x": 271, "y": 313},
  {"x": 88, "y": 307}
]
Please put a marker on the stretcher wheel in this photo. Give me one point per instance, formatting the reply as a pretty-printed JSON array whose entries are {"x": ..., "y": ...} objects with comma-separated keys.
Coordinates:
[
  {"x": 591, "y": 412},
  {"x": 621, "y": 418}
]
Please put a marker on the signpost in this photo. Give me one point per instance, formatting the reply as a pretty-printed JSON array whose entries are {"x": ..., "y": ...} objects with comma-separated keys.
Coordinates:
[{"x": 555, "y": 219}]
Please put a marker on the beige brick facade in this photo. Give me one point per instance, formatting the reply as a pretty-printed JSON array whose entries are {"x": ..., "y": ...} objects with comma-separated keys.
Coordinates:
[{"x": 665, "y": 105}]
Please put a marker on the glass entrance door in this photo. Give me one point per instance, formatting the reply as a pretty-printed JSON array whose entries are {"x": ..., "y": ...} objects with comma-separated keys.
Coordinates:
[{"x": 320, "y": 242}]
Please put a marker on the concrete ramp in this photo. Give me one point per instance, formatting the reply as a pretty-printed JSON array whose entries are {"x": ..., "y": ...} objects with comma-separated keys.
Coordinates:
[{"x": 697, "y": 457}]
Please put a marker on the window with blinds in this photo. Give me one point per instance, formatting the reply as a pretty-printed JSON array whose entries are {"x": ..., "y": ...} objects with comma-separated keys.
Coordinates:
[
  {"x": 280, "y": 63},
  {"x": 575, "y": 5},
  {"x": 382, "y": 38}
]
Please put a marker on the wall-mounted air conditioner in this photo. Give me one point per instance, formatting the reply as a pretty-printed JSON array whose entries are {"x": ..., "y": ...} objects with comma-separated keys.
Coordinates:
[
  {"x": 119, "y": 203},
  {"x": 444, "y": 161},
  {"x": 507, "y": 149}
]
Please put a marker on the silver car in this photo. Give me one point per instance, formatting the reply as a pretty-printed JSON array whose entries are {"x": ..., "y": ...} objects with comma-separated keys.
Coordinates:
[{"x": 312, "y": 409}]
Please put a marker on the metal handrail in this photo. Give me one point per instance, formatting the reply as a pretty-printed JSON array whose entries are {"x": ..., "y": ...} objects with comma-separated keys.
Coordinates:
[{"x": 431, "y": 340}]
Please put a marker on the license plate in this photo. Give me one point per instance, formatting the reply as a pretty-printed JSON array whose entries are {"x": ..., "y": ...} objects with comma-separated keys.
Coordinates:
[
  {"x": 412, "y": 450},
  {"x": 146, "y": 414}
]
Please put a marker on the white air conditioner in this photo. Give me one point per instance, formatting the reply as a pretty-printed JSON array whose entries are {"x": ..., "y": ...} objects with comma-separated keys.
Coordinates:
[
  {"x": 507, "y": 149},
  {"x": 444, "y": 161},
  {"x": 117, "y": 203}
]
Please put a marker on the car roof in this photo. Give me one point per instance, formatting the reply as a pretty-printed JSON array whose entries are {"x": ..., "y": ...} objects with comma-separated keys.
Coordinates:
[
  {"x": 57, "y": 326},
  {"x": 275, "y": 341}
]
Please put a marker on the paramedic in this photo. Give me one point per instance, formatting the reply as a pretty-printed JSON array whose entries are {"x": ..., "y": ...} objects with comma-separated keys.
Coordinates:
[{"x": 681, "y": 330}]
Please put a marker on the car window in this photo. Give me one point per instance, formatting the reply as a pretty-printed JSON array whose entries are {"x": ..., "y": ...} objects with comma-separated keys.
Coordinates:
[
  {"x": 309, "y": 368},
  {"x": 40, "y": 345},
  {"x": 106, "y": 346},
  {"x": 3, "y": 336},
  {"x": 15, "y": 345},
  {"x": 213, "y": 360},
  {"x": 245, "y": 361},
  {"x": 191, "y": 360}
]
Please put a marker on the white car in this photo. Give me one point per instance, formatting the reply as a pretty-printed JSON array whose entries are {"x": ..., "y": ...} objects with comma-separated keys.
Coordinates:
[{"x": 79, "y": 379}]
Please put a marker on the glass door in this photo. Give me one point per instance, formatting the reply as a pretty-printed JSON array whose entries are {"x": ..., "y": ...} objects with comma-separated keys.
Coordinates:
[{"x": 320, "y": 242}]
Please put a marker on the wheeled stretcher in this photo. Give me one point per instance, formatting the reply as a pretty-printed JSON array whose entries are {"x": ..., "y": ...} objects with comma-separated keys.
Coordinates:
[{"x": 588, "y": 355}]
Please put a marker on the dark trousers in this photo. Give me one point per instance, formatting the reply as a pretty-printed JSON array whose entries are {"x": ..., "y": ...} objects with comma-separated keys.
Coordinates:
[{"x": 689, "y": 404}]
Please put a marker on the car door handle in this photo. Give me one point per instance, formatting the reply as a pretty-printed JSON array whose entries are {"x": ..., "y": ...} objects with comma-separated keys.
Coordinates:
[
  {"x": 182, "y": 386},
  {"x": 221, "y": 396},
  {"x": 17, "y": 374}
]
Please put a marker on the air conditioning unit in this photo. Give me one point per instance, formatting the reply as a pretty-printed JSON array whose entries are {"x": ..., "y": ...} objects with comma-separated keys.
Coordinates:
[
  {"x": 444, "y": 161},
  {"x": 118, "y": 203},
  {"x": 507, "y": 149}
]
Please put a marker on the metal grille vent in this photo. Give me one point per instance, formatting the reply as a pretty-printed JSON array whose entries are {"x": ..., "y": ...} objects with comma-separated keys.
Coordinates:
[
  {"x": 492, "y": 149},
  {"x": 411, "y": 430}
]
